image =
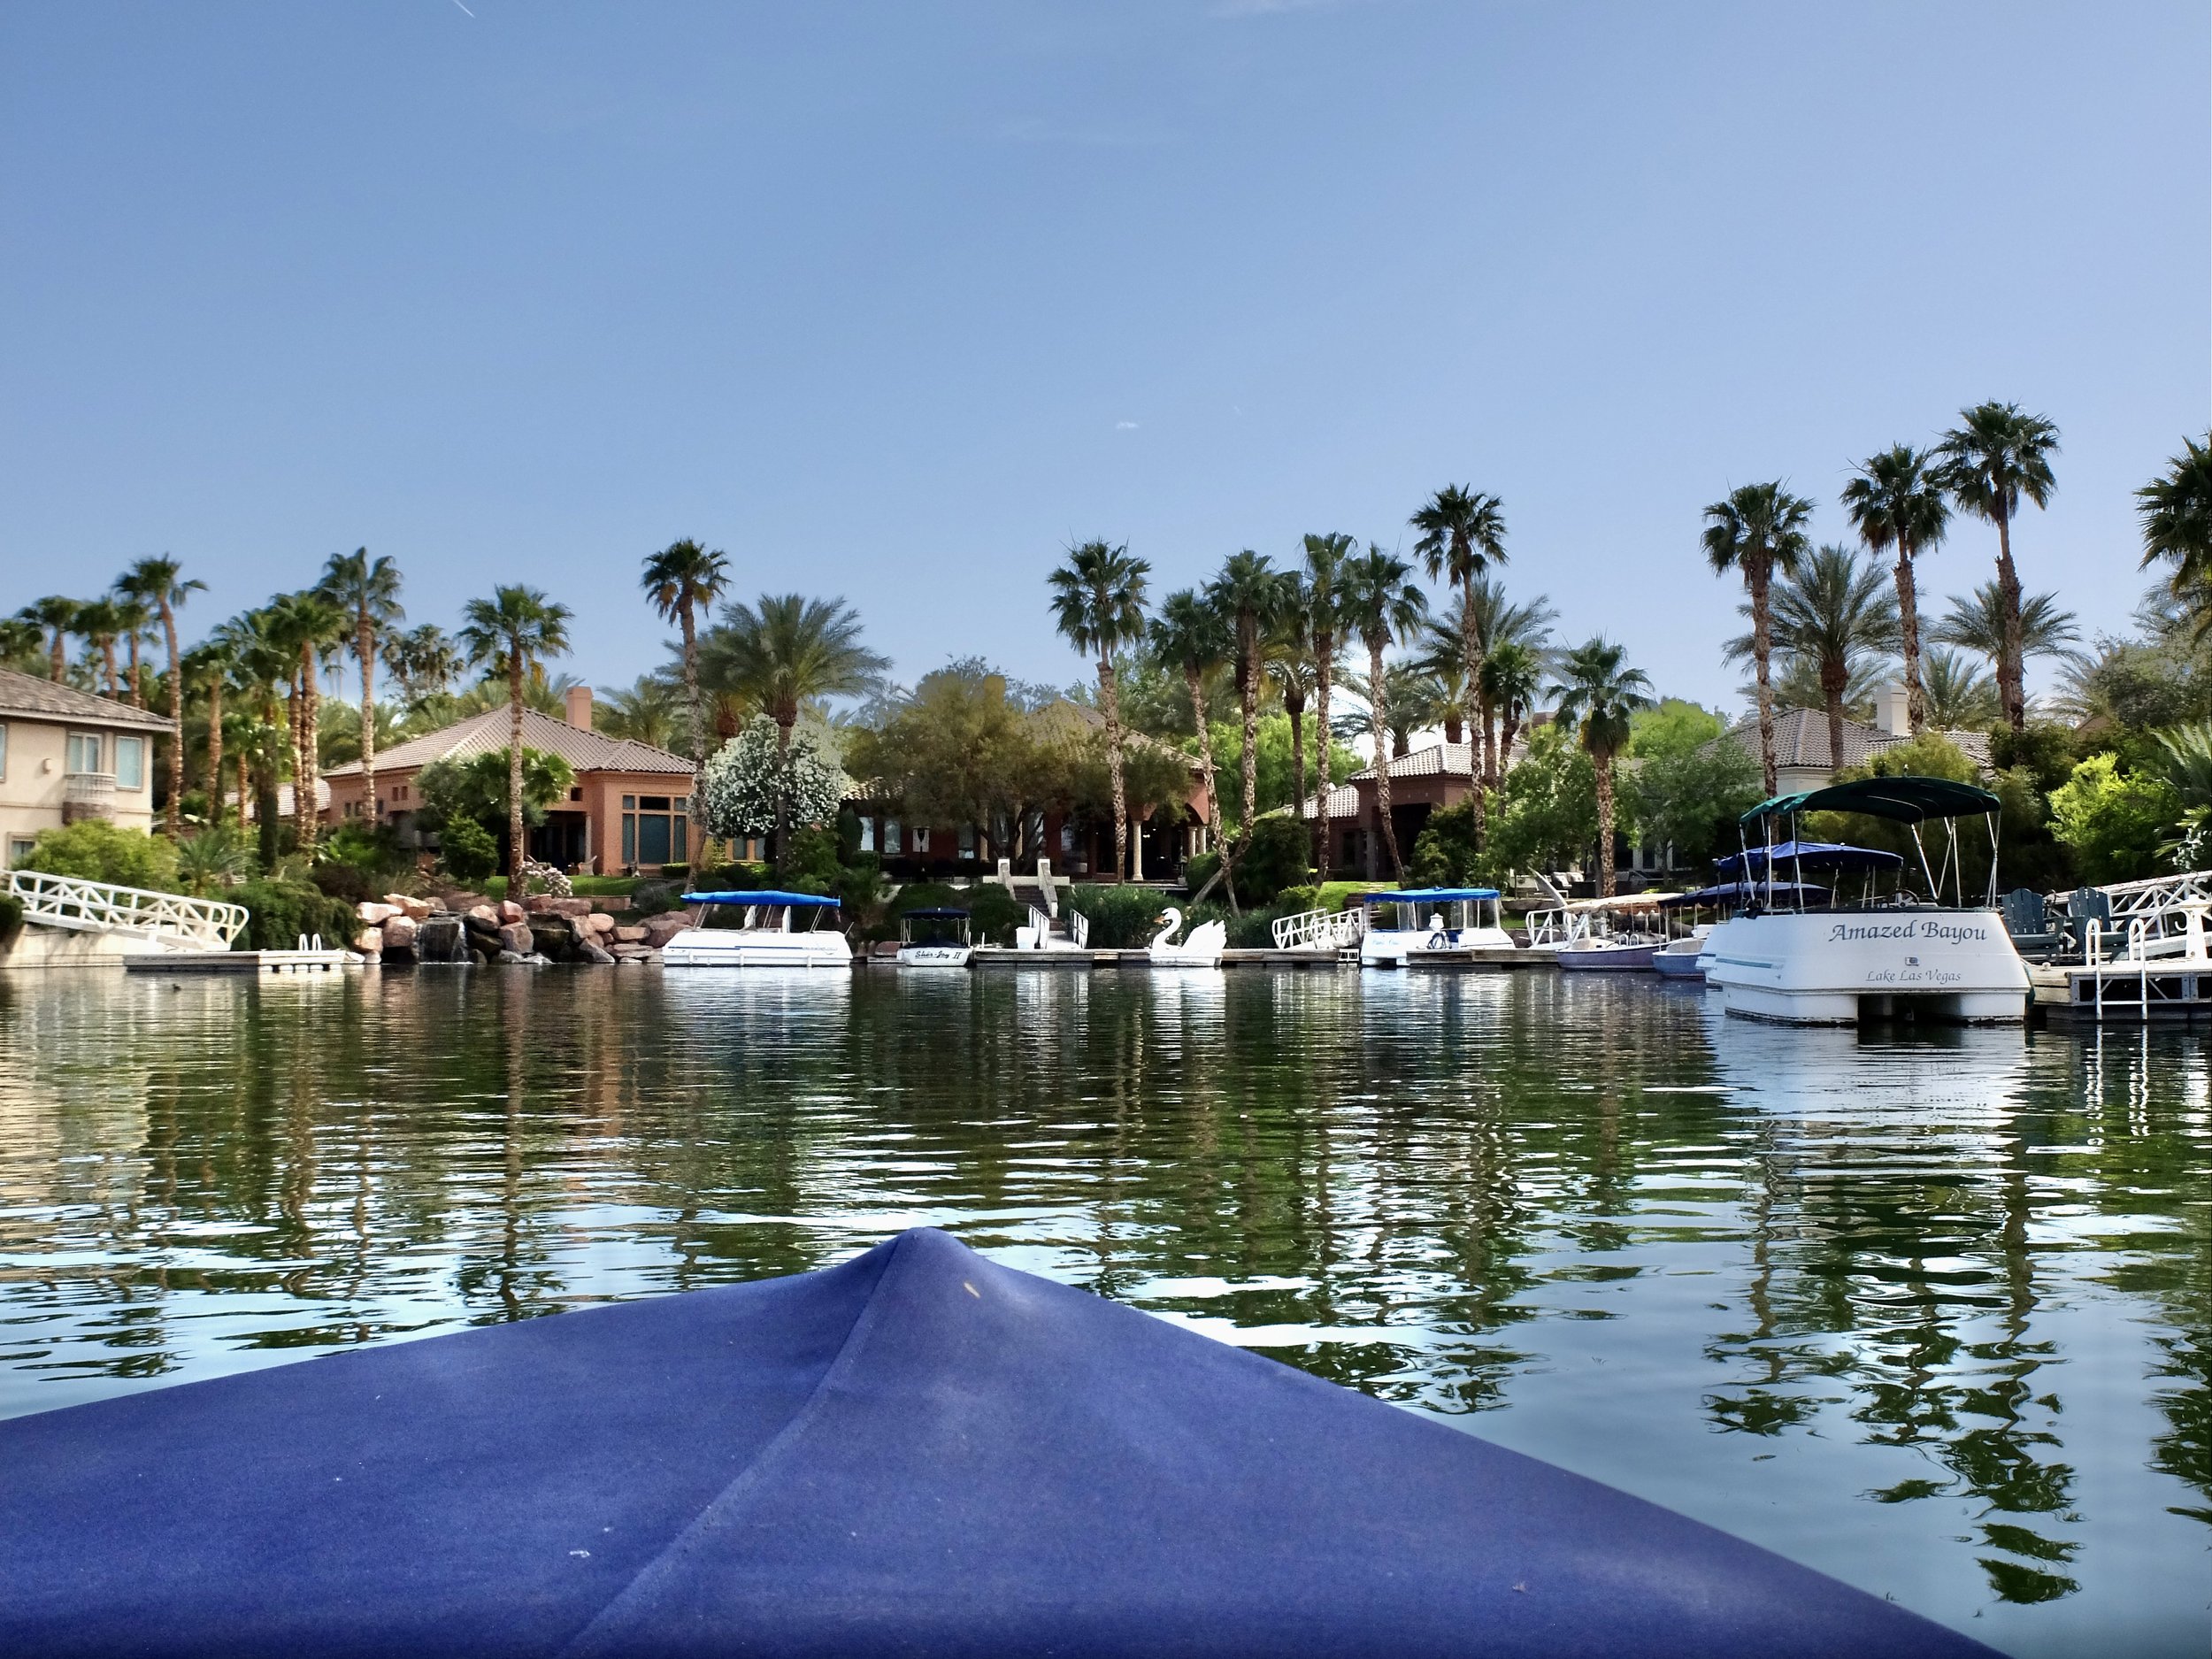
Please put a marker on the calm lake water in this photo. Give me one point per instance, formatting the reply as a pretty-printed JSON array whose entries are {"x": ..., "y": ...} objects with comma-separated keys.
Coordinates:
[{"x": 1933, "y": 1314}]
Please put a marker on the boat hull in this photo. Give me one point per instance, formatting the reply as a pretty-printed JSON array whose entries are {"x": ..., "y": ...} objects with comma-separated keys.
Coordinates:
[
  {"x": 1839, "y": 968},
  {"x": 934, "y": 955},
  {"x": 1679, "y": 965},
  {"x": 751, "y": 948},
  {"x": 1607, "y": 958},
  {"x": 1390, "y": 948}
]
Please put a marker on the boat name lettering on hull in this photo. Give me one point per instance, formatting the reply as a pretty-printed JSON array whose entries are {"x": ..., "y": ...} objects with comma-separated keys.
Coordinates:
[{"x": 1952, "y": 932}]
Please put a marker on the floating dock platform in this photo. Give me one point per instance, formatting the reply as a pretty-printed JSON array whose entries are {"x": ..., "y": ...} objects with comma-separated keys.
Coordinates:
[
  {"x": 1490, "y": 958},
  {"x": 2162, "y": 991},
  {"x": 269, "y": 962}
]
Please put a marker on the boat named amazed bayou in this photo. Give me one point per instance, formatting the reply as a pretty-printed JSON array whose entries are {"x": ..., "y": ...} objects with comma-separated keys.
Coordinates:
[{"x": 1888, "y": 954}]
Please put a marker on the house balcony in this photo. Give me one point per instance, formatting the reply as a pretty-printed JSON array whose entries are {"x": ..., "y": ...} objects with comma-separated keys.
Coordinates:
[{"x": 87, "y": 795}]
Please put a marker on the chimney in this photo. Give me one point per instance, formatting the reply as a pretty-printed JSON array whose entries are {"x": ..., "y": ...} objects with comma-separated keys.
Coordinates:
[
  {"x": 1891, "y": 706},
  {"x": 578, "y": 700}
]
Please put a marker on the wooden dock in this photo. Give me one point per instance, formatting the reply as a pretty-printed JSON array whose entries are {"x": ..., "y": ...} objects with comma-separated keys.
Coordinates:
[
  {"x": 2163, "y": 991},
  {"x": 1488, "y": 959},
  {"x": 269, "y": 962}
]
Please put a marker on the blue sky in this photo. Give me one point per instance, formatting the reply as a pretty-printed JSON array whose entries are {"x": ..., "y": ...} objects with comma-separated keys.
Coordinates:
[{"x": 894, "y": 301}]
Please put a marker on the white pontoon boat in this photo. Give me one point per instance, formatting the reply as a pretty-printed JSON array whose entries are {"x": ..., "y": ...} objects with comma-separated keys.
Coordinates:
[
  {"x": 774, "y": 930},
  {"x": 934, "y": 938},
  {"x": 1416, "y": 921}
]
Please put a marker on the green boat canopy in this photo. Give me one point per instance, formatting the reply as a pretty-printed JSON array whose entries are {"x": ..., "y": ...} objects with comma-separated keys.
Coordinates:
[{"x": 1907, "y": 800}]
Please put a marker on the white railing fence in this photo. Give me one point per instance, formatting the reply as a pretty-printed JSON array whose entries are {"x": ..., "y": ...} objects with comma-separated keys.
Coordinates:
[
  {"x": 1319, "y": 930},
  {"x": 103, "y": 907},
  {"x": 1078, "y": 928}
]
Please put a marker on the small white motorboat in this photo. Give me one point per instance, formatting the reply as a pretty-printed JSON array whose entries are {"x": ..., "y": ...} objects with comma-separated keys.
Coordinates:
[
  {"x": 1201, "y": 949},
  {"x": 934, "y": 938},
  {"x": 773, "y": 930},
  {"x": 1617, "y": 936},
  {"x": 1419, "y": 921},
  {"x": 1888, "y": 954}
]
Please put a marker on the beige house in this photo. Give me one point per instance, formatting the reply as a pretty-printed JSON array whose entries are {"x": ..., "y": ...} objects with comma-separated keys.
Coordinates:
[
  {"x": 1802, "y": 760},
  {"x": 66, "y": 754}
]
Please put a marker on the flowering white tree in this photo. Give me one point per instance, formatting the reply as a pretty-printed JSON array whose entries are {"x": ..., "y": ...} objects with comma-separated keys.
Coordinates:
[{"x": 743, "y": 781}]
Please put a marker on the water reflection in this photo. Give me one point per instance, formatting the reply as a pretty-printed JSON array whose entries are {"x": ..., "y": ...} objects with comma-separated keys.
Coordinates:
[{"x": 1933, "y": 1312}]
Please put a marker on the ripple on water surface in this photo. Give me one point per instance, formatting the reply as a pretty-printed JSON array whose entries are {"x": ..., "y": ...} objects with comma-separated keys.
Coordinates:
[{"x": 1933, "y": 1313}]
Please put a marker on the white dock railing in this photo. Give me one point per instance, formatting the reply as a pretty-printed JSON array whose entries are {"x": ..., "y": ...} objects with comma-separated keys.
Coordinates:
[
  {"x": 1319, "y": 930},
  {"x": 103, "y": 907}
]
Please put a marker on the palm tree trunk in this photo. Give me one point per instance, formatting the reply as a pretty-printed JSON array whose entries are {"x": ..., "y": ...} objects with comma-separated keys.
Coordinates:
[
  {"x": 303, "y": 804},
  {"x": 1324, "y": 650},
  {"x": 1604, "y": 770},
  {"x": 58, "y": 657},
  {"x": 1378, "y": 684},
  {"x": 1197, "y": 685},
  {"x": 1762, "y": 649},
  {"x": 1249, "y": 695},
  {"x": 516, "y": 852},
  {"x": 1296, "y": 709},
  {"x": 138, "y": 699},
  {"x": 365, "y": 648},
  {"x": 1832, "y": 689},
  {"x": 1109, "y": 701},
  {"x": 1510, "y": 728},
  {"x": 215, "y": 754},
  {"x": 1471, "y": 646},
  {"x": 1455, "y": 728},
  {"x": 176, "y": 719},
  {"x": 2012, "y": 676},
  {"x": 1908, "y": 627},
  {"x": 107, "y": 657},
  {"x": 691, "y": 683},
  {"x": 783, "y": 794}
]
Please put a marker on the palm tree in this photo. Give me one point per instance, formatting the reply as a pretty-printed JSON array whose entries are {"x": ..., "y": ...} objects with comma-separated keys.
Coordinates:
[
  {"x": 1408, "y": 698},
  {"x": 1959, "y": 694},
  {"x": 2176, "y": 514},
  {"x": 1249, "y": 593},
  {"x": 1759, "y": 530},
  {"x": 265, "y": 663},
  {"x": 58, "y": 617},
  {"x": 2037, "y": 626},
  {"x": 1499, "y": 621},
  {"x": 21, "y": 640},
  {"x": 1512, "y": 677},
  {"x": 1598, "y": 690},
  {"x": 311, "y": 626},
  {"x": 1098, "y": 606},
  {"x": 1288, "y": 660},
  {"x": 1896, "y": 500},
  {"x": 133, "y": 615},
  {"x": 1463, "y": 534},
  {"x": 426, "y": 661},
  {"x": 367, "y": 590},
  {"x": 1832, "y": 614},
  {"x": 1193, "y": 635},
  {"x": 782, "y": 654},
  {"x": 212, "y": 662},
  {"x": 518, "y": 627},
  {"x": 1380, "y": 601},
  {"x": 1992, "y": 457},
  {"x": 650, "y": 711},
  {"x": 682, "y": 580},
  {"x": 1325, "y": 558},
  {"x": 159, "y": 582},
  {"x": 100, "y": 622},
  {"x": 1450, "y": 700}
]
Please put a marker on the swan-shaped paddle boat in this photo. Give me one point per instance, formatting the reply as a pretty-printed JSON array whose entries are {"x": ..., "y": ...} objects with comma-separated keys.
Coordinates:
[{"x": 1201, "y": 949}]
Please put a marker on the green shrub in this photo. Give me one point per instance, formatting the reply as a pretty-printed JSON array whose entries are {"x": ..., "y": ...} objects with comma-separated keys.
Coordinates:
[
  {"x": 993, "y": 913},
  {"x": 466, "y": 849},
  {"x": 653, "y": 898},
  {"x": 2115, "y": 823},
  {"x": 1121, "y": 918},
  {"x": 11, "y": 917},
  {"x": 97, "y": 850},
  {"x": 278, "y": 913}
]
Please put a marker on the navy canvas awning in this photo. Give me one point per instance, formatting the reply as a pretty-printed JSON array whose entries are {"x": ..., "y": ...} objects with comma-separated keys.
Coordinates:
[
  {"x": 917, "y": 1452},
  {"x": 1818, "y": 855}
]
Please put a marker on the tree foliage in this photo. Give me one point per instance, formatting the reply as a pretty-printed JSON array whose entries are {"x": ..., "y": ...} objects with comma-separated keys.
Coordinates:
[
  {"x": 2115, "y": 822},
  {"x": 94, "y": 849},
  {"x": 477, "y": 788},
  {"x": 747, "y": 778}
]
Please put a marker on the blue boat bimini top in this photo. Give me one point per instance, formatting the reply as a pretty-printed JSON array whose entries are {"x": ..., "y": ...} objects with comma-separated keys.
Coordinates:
[
  {"x": 1814, "y": 854},
  {"x": 796, "y": 901},
  {"x": 1427, "y": 895},
  {"x": 917, "y": 1452}
]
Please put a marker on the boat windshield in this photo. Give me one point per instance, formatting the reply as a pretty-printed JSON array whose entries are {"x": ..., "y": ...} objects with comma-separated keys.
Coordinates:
[
  {"x": 766, "y": 911},
  {"x": 1776, "y": 861}
]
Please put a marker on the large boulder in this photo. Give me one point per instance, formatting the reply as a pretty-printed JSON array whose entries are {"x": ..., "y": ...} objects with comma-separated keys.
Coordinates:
[
  {"x": 400, "y": 935},
  {"x": 510, "y": 912},
  {"x": 629, "y": 935},
  {"x": 633, "y": 953},
  {"x": 594, "y": 955},
  {"x": 369, "y": 941},
  {"x": 552, "y": 904},
  {"x": 486, "y": 913},
  {"x": 375, "y": 914},
  {"x": 441, "y": 939},
  {"x": 660, "y": 929},
  {"x": 613, "y": 903},
  {"x": 553, "y": 937},
  {"x": 514, "y": 938},
  {"x": 413, "y": 908}
]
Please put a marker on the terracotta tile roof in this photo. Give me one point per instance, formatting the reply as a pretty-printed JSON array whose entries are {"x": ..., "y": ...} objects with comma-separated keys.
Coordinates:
[
  {"x": 1801, "y": 739},
  {"x": 487, "y": 732},
  {"x": 44, "y": 699}
]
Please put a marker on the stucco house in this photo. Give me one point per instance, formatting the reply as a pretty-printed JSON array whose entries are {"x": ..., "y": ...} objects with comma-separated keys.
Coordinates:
[
  {"x": 66, "y": 754},
  {"x": 1802, "y": 760},
  {"x": 629, "y": 811}
]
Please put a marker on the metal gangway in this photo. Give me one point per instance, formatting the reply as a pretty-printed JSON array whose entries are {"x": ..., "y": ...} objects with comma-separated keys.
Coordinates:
[
  {"x": 2150, "y": 960},
  {"x": 1321, "y": 931},
  {"x": 170, "y": 921},
  {"x": 2158, "y": 917}
]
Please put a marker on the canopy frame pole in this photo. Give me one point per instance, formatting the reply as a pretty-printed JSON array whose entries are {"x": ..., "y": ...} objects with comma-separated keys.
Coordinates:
[{"x": 1934, "y": 887}]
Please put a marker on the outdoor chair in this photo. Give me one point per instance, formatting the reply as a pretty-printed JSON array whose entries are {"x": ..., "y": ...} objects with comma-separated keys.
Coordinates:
[{"x": 2027, "y": 920}]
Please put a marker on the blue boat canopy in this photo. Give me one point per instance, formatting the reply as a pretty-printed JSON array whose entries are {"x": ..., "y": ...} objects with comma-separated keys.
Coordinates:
[
  {"x": 1819, "y": 855},
  {"x": 795, "y": 900},
  {"x": 919, "y": 1451},
  {"x": 1427, "y": 896}
]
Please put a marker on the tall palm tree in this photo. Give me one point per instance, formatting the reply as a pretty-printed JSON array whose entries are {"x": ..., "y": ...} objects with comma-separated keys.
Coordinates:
[
  {"x": 1896, "y": 502},
  {"x": 100, "y": 623},
  {"x": 160, "y": 583},
  {"x": 2176, "y": 514},
  {"x": 1450, "y": 702},
  {"x": 1250, "y": 592},
  {"x": 1599, "y": 691},
  {"x": 1191, "y": 634},
  {"x": 1959, "y": 694},
  {"x": 682, "y": 580},
  {"x": 311, "y": 626},
  {"x": 1759, "y": 531},
  {"x": 1996, "y": 455},
  {"x": 426, "y": 662},
  {"x": 1463, "y": 534},
  {"x": 517, "y": 628},
  {"x": 1979, "y": 622},
  {"x": 265, "y": 663},
  {"x": 1499, "y": 621},
  {"x": 1380, "y": 602},
  {"x": 367, "y": 590},
  {"x": 1098, "y": 606},
  {"x": 1287, "y": 659},
  {"x": 1512, "y": 677},
  {"x": 58, "y": 617},
  {"x": 211, "y": 663},
  {"x": 21, "y": 640},
  {"x": 133, "y": 615},
  {"x": 1325, "y": 558},
  {"x": 1833, "y": 613},
  {"x": 1408, "y": 698},
  {"x": 650, "y": 711},
  {"x": 782, "y": 654}
]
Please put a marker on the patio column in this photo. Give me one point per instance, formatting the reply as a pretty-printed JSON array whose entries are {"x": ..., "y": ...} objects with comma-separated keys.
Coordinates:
[{"x": 1136, "y": 850}]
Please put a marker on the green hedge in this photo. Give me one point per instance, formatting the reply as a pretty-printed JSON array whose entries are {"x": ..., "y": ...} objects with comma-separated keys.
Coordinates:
[
  {"x": 11, "y": 917},
  {"x": 277, "y": 912}
]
